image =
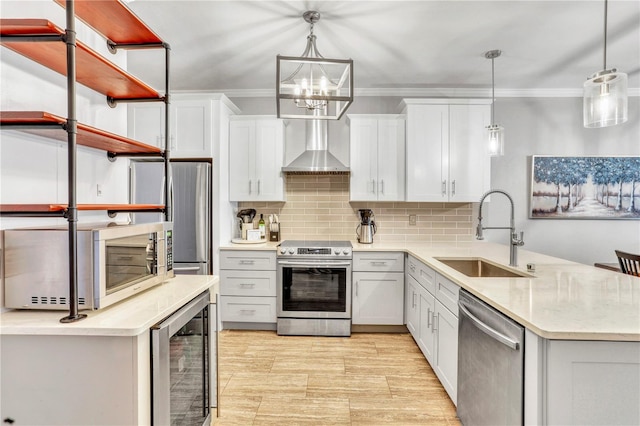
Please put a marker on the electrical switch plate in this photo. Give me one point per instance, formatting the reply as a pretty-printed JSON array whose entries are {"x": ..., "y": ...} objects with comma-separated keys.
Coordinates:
[{"x": 412, "y": 219}]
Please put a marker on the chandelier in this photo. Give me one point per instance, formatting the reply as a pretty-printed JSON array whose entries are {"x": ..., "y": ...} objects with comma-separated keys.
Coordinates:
[
  {"x": 605, "y": 94},
  {"x": 311, "y": 86}
]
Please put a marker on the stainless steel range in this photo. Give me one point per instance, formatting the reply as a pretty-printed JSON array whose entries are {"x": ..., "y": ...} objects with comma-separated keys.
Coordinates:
[{"x": 314, "y": 288}]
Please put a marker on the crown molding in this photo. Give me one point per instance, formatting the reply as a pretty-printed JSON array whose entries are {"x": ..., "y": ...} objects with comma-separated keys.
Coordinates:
[{"x": 450, "y": 92}]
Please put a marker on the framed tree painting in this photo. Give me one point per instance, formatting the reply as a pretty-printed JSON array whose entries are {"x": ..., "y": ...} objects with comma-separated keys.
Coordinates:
[{"x": 585, "y": 187}]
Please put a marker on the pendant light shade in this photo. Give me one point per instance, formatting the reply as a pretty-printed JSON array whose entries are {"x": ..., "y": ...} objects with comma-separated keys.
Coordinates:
[
  {"x": 311, "y": 86},
  {"x": 605, "y": 94},
  {"x": 495, "y": 132}
]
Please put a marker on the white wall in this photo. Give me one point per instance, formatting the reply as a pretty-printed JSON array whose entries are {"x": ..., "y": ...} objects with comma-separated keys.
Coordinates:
[{"x": 553, "y": 126}]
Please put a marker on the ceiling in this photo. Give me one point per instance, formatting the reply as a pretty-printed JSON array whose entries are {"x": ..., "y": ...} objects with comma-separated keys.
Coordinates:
[{"x": 398, "y": 47}]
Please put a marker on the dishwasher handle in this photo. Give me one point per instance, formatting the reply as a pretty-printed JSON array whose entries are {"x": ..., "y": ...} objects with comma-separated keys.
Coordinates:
[{"x": 496, "y": 335}]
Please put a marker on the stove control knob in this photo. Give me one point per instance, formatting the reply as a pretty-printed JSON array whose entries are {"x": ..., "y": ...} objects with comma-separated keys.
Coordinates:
[
  {"x": 336, "y": 251},
  {"x": 291, "y": 251},
  {"x": 345, "y": 251},
  {"x": 283, "y": 250}
]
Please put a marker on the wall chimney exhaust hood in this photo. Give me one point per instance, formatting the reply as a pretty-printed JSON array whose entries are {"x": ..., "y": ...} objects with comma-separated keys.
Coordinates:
[{"x": 316, "y": 159}]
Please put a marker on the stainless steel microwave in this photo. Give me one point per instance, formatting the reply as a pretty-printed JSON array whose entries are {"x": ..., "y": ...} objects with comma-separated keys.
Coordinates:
[{"x": 114, "y": 262}]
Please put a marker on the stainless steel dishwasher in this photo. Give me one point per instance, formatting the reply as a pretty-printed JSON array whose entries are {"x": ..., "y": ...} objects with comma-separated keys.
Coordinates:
[{"x": 490, "y": 365}]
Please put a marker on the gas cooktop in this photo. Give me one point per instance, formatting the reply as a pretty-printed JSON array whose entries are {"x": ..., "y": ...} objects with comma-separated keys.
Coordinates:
[{"x": 312, "y": 248}]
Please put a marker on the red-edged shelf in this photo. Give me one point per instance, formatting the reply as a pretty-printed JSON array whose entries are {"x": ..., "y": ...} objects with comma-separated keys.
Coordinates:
[
  {"x": 60, "y": 208},
  {"x": 92, "y": 70},
  {"x": 114, "y": 20},
  {"x": 86, "y": 136}
]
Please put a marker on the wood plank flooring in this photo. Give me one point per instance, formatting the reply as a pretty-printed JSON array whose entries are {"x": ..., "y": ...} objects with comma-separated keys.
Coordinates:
[{"x": 367, "y": 379}]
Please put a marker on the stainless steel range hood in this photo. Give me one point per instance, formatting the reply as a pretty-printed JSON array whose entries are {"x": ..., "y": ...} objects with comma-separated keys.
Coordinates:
[{"x": 316, "y": 159}]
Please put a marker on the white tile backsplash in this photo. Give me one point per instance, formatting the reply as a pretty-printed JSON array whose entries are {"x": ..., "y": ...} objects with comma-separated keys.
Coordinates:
[{"x": 318, "y": 208}]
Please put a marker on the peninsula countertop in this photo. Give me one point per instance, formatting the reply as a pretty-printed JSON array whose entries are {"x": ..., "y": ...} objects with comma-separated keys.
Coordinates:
[
  {"x": 129, "y": 317},
  {"x": 560, "y": 300}
]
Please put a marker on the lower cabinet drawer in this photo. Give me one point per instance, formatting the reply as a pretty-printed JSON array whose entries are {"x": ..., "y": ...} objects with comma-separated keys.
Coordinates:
[
  {"x": 378, "y": 261},
  {"x": 248, "y": 283},
  {"x": 248, "y": 309}
]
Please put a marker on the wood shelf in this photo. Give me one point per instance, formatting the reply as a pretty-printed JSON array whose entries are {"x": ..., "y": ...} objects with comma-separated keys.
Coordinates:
[
  {"x": 92, "y": 70},
  {"x": 86, "y": 136},
  {"x": 114, "y": 20},
  {"x": 53, "y": 208}
]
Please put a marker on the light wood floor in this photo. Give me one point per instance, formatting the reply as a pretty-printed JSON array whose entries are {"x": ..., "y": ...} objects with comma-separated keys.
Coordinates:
[{"x": 367, "y": 379}]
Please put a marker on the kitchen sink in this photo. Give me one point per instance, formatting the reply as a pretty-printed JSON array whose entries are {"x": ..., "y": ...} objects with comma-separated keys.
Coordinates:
[{"x": 480, "y": 268}]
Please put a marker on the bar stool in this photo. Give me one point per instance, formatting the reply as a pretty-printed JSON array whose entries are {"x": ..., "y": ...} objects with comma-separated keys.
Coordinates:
[{"x": 629, "y": 263}]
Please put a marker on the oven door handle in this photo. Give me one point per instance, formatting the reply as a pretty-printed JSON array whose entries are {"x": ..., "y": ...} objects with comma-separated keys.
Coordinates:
[{"x": 313, "y": 264}]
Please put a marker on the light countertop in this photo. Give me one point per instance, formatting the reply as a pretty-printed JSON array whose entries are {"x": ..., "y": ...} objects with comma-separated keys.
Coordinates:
[
  {"x": 561, "y": 300},
  {"x": 130, "y": 317}
]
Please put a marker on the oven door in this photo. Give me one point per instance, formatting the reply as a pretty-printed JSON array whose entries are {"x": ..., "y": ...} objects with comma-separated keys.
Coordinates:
[{"x": 314, "y": 289}]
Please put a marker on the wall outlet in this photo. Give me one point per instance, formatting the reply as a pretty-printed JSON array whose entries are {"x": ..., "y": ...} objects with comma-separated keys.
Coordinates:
[{"x": 412, "y": 219}]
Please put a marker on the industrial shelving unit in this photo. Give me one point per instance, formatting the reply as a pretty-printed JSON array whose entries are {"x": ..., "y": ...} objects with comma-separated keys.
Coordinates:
[{"x": 57, "y": 49}]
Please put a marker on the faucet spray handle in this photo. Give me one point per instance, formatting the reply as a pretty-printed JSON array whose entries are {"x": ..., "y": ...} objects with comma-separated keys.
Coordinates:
[{"x": 479, "y": 232}]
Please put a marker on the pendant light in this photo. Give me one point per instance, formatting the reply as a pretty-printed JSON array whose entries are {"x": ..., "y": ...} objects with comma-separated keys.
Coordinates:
[
  {"x": 495, "y": 132},
  {"x": 605, "y": 93},
  {"x": 311, "y": 86}
]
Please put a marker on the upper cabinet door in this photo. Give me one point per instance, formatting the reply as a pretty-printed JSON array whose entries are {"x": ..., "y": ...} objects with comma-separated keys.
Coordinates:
[
  {"x": 145, "y": 123},
  {"x": 391, "y": 160},
  {"x": 269, "y": 157},
  {"x": 469, "y": 160},
  {"x": 241, "y": 159},
  {"x": 256, "y": 154},
  {"x": 363, "y": 145},
  {"x": 427, "y": 151},
  {"x": 191, "y": 135},
  {"x": 377, "y": 151}
]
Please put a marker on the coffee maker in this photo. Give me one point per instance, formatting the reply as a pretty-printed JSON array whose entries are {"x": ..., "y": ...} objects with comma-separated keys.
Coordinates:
[{"x": 367, "y": 227}]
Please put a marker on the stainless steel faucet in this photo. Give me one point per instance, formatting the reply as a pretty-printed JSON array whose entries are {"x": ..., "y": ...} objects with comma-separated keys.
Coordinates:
[{"x": 515, "y": 241}]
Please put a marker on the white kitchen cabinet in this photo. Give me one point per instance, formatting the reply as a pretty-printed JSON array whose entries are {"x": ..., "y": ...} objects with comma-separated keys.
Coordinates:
[
  {"x": 436, "y": 328},
  {"x": 377, "y": 147},
  {"x": 378, "y": 288},
  {"x": 411, "y": 307},
  {"x": 194, "y": 122},
  {"x": 447, "y": 159},
  {"x": 248, "y": 288},
  {"x": 378, "y": 298},
  {"x": 426, "y": 335},
  {"x": 256, "y": 155},
  {"x": 445, "y": 353}
]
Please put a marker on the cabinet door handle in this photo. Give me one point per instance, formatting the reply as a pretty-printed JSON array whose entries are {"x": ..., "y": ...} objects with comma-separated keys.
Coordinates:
[
  {"x": 172, "y": 142},
  {"x": 356, "y": 288},
  {"x": 381, "y": 187},
  {"x": 247, "y": 311},
  {"x": 444, "y": 187},
  {"x": 412, "y": 267},
  {"x": 378, "y": 263},
  {"x": 429, "y": 318},
  {"x": 247, "y": 262},
  {"x": 249, "y": 186},
  {"x": 453, "y": 187},
  {"x": 434, "y": 321},
  {"x": 373, "y": 186},
  {"x": 413, "y": 301},
  {"x": 247, "y": 285},
  {"x": 258, "y": 186}
]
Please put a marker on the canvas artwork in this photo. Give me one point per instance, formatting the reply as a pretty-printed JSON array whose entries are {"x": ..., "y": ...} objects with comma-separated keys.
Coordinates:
[{"x": 585, "y": 187}]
